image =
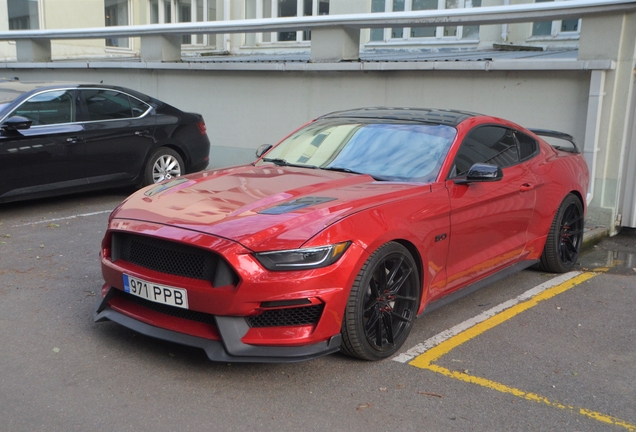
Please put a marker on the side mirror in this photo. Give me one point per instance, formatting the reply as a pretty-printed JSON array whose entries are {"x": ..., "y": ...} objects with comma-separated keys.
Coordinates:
[
  {"x": 262, "y": 149},
  {"x": 16, "y": 123},
  {"x": 480, "y": 172}
]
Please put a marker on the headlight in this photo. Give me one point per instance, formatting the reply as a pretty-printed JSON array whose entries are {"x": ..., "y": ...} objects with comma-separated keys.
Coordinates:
[{"x": 302, "y": 259}]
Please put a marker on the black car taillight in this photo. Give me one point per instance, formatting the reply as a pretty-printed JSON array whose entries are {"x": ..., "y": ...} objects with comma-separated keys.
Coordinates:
[{"x": 202, "y": 128}]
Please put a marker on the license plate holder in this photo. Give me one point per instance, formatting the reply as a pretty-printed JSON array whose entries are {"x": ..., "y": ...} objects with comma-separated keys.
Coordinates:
[{"x": 164, "y": 294}]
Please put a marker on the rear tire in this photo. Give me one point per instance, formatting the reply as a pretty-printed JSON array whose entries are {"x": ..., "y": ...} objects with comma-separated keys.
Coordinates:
[
  {"x": 564, "y": 241},
  {"x": 382, "y": 305},
  {"x": 164, "y": 163}
]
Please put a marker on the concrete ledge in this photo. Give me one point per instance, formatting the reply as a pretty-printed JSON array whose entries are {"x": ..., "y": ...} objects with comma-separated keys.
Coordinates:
[
  {"x": 362, "y": 66},
  {"x": 335, "y": 44},
  {"x": 593, "y": 236},
  {"x": 33, "y": 50},
  {"x": 166, "y": 48}
]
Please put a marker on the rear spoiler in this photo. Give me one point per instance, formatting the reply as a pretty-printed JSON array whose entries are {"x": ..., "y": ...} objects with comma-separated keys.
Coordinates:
[{"x": 559, "y": 136}]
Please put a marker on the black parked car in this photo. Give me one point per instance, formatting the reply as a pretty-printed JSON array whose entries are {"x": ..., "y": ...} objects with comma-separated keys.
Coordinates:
[{"x": 61, "y": 138}]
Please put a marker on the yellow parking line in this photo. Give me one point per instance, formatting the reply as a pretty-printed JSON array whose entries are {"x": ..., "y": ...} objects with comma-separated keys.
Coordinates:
[{"x": 425, "y": 360}]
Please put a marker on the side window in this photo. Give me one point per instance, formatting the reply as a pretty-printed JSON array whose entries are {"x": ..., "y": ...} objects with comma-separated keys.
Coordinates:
[
  {"x": 528, "y": 146},
  {"x": 139, "y": 108},
  {"x": 111, "y": 105},
  {"x": 47, "y": 108},
  {"x": 486, "y": 144}
]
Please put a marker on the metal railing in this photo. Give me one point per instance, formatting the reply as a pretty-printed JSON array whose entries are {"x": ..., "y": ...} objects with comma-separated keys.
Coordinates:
[
  {"x": 466, "y": 16},
  {"x": 544, "y": 11}
]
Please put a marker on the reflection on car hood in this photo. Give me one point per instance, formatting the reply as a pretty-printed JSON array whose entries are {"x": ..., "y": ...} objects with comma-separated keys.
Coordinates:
[{"x": 263, "y": 208}]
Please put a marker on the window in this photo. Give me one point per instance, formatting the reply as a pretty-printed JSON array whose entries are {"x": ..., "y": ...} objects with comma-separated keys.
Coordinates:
[
  {"x": 184, "y": 15},
  {"x": 23, "y": 14},
  {"x": 386, "y": 150},
  {"x": 528, "y": 146},
  {"x": 111, "y": 105},
  {"x": 183, "y": 11},
  {"x": 486, "y": 144},
  {"x": 280, "y": 9},
  {"x": 116, "y": 14},
  {"x": 555, "y": 28},
  {"x": 51, "y": 107},
  {"x": 423, "y": 33}
]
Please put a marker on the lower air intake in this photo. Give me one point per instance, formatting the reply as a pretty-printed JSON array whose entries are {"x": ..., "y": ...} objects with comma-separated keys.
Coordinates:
[{"x": 287, "y": 317}]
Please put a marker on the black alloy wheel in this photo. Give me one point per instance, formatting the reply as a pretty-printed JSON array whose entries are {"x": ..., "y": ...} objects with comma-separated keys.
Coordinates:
[
  {"x": 565, "y": 238},
  {"x": 382, "y": 305}
]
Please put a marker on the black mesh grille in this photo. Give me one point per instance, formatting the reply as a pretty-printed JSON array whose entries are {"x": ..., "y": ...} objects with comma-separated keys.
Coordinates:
[
  {"x": 169, "y": 310},
  {"x": 287, "y": 317},
  {"x": 165, "y": 256}
]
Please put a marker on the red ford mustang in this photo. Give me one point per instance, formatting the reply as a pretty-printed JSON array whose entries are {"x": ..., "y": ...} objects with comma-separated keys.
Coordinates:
[{"x": 342, "y": 234}]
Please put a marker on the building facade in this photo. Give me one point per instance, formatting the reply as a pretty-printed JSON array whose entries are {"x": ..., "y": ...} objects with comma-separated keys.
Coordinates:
[{"x": 61, "y": 14}]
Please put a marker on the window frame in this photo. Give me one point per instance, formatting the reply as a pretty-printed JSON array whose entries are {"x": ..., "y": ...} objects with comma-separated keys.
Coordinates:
[
  {"x": 74, "y": 110},
  {"x": 555, "y": 29},
  {"x": 83, "y": 105},
  {"x": 271, "y": 38},
  {"x": 32, "y": 25},
  {"x": 452, "y": 174},
  {"x": 189, "y": 41},
  {"x": 129, "y": 19},
  {"x": 407, "y": 35}
]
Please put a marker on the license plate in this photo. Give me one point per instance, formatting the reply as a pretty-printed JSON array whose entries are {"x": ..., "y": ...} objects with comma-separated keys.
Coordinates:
[{"x": 157, "y": 293}]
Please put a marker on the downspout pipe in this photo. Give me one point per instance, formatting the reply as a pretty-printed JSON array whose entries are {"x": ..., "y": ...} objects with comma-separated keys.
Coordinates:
[{"x": 592, "y": 126}]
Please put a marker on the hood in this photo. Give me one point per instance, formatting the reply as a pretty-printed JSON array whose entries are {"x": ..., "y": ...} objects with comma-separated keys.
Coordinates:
[{"x": 264, "y": 207}]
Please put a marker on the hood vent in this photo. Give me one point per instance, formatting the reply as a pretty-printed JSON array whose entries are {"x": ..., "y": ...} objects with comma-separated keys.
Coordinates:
[{"x": 296, "y": 204}]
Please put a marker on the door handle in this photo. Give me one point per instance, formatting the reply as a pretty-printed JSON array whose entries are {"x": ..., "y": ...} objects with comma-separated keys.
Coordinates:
[
  {"x": 140, "y": 133},
  {"x": 526, "y": 187},
  {"x": 72, "y": 140}
]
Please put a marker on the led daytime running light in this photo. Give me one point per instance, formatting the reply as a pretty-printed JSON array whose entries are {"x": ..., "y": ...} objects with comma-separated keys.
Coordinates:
[{"x": 302, "y": 259}]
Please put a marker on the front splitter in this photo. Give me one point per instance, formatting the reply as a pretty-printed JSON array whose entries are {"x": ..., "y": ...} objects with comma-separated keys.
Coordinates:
[{"x": 230, "y": 349}]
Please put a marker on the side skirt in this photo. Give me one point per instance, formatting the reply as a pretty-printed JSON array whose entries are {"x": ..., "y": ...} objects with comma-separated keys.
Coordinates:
[{"x": 475, "y": 286}]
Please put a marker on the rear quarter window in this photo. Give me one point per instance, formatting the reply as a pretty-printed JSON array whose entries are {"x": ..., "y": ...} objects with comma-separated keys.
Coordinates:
[
  {"x": 528, "y": 146},
  {"x": 105, "y": 104}
]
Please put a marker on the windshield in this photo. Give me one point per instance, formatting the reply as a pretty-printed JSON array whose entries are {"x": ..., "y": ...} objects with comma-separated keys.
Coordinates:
[{"x": 386, "y": 150}]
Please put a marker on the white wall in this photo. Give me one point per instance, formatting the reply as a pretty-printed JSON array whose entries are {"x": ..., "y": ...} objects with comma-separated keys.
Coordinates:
[{"x": 246, "y": 109}]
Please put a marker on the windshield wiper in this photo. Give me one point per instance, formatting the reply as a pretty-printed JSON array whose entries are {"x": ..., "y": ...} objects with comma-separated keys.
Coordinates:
[
  {"x": 350, "y": 171},
  {"x": 283, "y": 162}
]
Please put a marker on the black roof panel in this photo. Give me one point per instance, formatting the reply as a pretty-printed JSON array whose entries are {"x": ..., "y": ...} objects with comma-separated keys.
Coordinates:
[{"x": 424, "y": 115}]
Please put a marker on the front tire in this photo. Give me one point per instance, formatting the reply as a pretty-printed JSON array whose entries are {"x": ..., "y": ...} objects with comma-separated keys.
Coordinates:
[
  {"x": 564, "y": 241},
  {"x": 164, "y": 163},
  {"x": 382, "y": 305}
]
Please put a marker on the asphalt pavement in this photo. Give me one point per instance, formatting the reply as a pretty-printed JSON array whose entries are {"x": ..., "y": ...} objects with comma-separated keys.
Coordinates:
[{"x": 564, "y": 361}]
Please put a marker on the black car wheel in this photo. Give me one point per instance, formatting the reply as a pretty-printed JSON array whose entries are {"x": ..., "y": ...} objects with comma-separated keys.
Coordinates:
[
  {"x": 164, "y": 164},
  {"x": 382, "y": 305},
  {"x": 565, "y": 237}
]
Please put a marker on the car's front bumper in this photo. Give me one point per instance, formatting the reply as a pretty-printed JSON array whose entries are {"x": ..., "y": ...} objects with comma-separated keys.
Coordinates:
[{"x": 230, "y": 348}]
